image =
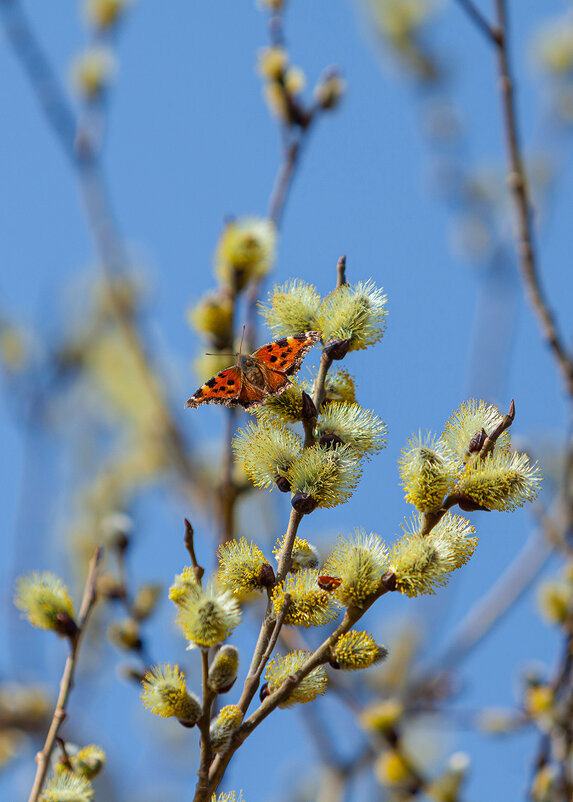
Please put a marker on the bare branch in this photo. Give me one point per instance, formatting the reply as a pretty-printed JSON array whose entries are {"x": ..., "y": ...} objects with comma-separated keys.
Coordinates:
[{"x": 66, "y": 683}]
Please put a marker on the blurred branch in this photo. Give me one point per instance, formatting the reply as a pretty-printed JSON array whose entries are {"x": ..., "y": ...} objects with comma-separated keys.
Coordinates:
[
  {"x": 518, "y": 184},
  {"x": 489, "y": 610},
  {"x": 66, "y": 683},
  {"x": 83, "y": 157},
  {"x": 40, "y": 74},
  {"x": 478, "y": 19}
]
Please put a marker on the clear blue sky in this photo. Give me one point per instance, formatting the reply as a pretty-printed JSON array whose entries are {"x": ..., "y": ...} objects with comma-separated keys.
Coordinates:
[{"x": 190, "y": 142}]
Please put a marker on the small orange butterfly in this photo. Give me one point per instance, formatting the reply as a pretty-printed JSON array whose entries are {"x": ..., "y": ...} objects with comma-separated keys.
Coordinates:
[{"x": 256, "y": 376}]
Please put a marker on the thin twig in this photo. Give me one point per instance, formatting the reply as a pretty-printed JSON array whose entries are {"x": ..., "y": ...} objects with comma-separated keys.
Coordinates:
[
  {"x": 66, "y": 683},
  {"x": 198, "y": 570},
  {"x": 479, "y": 20},
  {"x": 517, "y": 180}
]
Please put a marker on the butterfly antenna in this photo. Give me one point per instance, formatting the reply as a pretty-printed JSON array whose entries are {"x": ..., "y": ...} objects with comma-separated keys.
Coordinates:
[{"x": 242, "y": 338}]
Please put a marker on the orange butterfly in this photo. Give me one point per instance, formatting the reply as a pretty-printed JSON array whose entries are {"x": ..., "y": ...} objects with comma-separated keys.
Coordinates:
[{"x": 256, "y": 376}]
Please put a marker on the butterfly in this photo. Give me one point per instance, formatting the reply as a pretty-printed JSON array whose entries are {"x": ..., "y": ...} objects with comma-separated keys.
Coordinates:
[{"x": 256, "y": 376}]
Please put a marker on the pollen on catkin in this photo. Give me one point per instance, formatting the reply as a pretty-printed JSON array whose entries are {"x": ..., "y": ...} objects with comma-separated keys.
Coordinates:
[
  {"x": 229, "y": 718},
  {"x": 283, "y": 408},
  {"x": 360, "y": 428},
  {"x": 228, "y": 796},
  {"x": 44, "y": 600},
  {"x": 67, "y": 787},
  {"x": 245, "y": 251},
  {"x": 303, "y": 554},
  {"x": 291, "y": 308},
  {"x": 266, "y": 451},
  {"x": 339, "y": 386},
  {"x": 282, "y": 666},
  {"x": 467, "y": 422},
  {"x": 354, "y": 312},
  {"x": 359, "y": 560},
  {"x": 209, "y": 618},
  {"x": 329, "y": 476},
  {"x": 356, "y": 650},
  {"x": 165, "y": 694},
  {"x": 184, "y": 586},
  {"x": 223, "y": 670},
  {"x": 240, "y": 566},
  {"x": 427, "y": 473},
  {"x": 309, "y": 606},
  {"x": 502, "y": 481},
  {"x": 422, "y": 564}
]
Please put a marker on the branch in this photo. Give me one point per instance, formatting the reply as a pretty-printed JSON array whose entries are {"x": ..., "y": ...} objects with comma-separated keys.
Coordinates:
[
  {"x": 66, "y": 683},
  {"x": 517, "y": 180},
  {"x": 479, "y": 20}
]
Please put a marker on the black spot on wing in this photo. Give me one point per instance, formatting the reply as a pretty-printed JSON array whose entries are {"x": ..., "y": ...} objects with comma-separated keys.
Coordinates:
[
  {"x": 282, "y": 343},
  {"x": 230, "y": 382},
  {"x": 273, "y": 358},
  {"x": 198, "y": 394},
  {"x": 211, "y": 383}
]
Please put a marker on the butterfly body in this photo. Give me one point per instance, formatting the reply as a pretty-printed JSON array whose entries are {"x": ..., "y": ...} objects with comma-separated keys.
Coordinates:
[{"x": 256, "y": 376}]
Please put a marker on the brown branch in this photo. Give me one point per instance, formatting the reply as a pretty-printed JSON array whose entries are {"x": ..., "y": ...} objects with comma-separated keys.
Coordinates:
[
  {"x": 66, "y": 683},
  {"x": 517, "y": 180},
  {"x": 202, "y": 793},
  {"x": 319, "y": 657},
  {"x": 479, "y": 20}
]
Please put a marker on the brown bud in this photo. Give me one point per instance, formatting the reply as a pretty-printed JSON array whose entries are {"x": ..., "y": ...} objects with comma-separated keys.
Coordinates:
[
  {"x": 66, "y": 626},
  {"x": 388, "y": 581},
  {"x": 303, "y": 503},
  {"x": 264, "y": 692},
  {"x": 283, "y": 484},
  {"x": 467, "y": 504},
  {"x": 333, "y": 662},
  {"x": 266, "y": 576},
  {"x": 337, "y": 349},
  {"x": 477, "y": 441},
  {"x": 188, "y": 724},
  {"x": 308, "y": 408}
]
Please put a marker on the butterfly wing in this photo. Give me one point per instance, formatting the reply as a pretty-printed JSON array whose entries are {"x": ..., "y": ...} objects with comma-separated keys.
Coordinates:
[
  {"x": 251, "y": 396},
  {"x": 224, "y": 388},
  {"x": 285, "y": 355}
]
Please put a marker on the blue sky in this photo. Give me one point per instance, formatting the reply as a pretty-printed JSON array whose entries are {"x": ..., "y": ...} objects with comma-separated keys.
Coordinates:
[{"x": 189, "y": 142}]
